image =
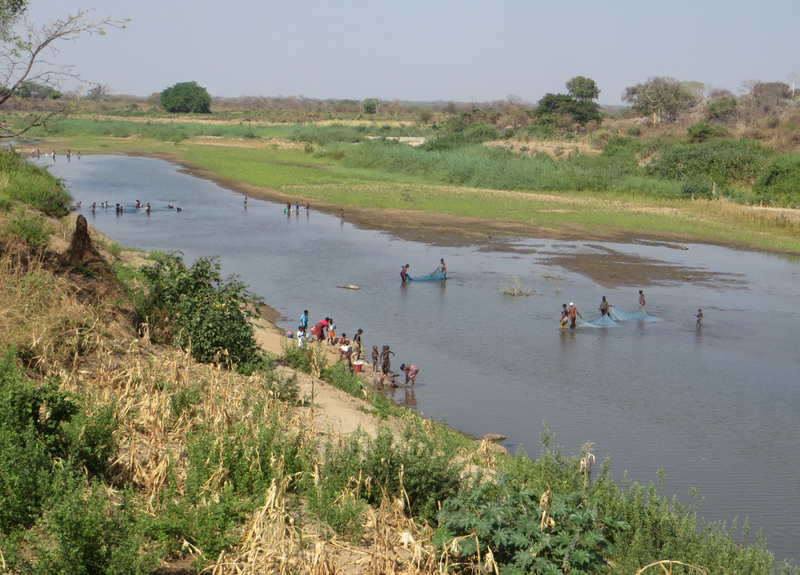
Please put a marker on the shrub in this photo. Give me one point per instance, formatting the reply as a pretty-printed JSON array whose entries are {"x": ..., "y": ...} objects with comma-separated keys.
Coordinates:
[
  {"x": 32, "y": 436},
  {"x": 698, "y": 189},
  {"x": 702, "y": 131},
  {"x": 204, "y": 313},
  {"x": 725, "y": 162},
  {"x": 525, "y": 532},
  {"x": 94, "y": 535},
  {"x": 722, "y": 109},
  {"x": 780, "y": 181},
  {"x": 478, "y": 132}
]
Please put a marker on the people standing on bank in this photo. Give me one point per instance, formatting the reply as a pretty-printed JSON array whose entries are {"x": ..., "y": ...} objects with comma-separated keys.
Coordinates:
[
  {"x": 357, "y": 346},
  {"x": 331, "y": 333},
  {"x": 375, "y": 358},
  {"x": 304, "y": 319},
  {"x": 386, "y": 362}
]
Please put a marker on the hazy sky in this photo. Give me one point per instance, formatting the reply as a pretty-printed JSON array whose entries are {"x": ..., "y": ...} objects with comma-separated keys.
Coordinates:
[{"x": 463, "y": 50}]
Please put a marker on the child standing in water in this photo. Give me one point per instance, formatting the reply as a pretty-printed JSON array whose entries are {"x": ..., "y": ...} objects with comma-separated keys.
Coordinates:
[
  {"x": 564, "y": 317},
  {"x": 641, "y": 299},
  {"x": 699, "y": 317}
]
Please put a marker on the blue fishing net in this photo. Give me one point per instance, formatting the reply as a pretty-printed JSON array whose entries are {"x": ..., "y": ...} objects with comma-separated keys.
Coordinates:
[
  {"x": 438, "y": 274},
  {"x": 602, "y": 321},
  {"x": 641, "y": 315}
]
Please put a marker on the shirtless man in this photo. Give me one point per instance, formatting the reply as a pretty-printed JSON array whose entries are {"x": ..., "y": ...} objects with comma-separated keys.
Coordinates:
[
  {"x": 604, "y": 305},
  {"x": 573, "y": 311},
  {"x": 443, "y": 267}
]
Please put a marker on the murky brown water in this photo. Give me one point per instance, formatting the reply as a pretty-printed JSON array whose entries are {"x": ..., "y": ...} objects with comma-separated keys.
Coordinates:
[{"x": 717, "y": 409}]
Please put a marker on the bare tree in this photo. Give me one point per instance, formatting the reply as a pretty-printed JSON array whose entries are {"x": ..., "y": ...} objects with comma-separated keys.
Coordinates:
[
  {"x": 28, "y": 54},
  {"x": 793, "y": 78},
  {"x": 747, "y": 87}
]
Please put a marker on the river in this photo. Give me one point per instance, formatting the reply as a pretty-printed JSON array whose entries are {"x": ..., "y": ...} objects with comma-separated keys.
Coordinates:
[{"x": 715, "y": 408}]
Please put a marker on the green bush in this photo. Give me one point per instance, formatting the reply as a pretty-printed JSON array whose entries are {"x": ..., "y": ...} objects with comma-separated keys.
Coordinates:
[
  {"x": 94, "y": 535},
  {"x": 722, "y": 109},
  {"x": 32, "y": 438},
  {"x": 507, "y": 516},
  {"x": 702, "y": 131},
  {"x": 779, "y": 183},
  {"x": 92, "y": 440},
  {"x": 186, "y": 97},
  {"x": 431, "y": 472},
  {"x": 698, "y": 189},
  {"x": 204, "y": 313},
  {"x": 725, "y": 162},
  {"x": 478, "y": 132}
]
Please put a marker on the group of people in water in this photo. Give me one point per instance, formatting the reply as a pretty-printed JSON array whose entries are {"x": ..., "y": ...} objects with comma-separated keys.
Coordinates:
[
  {"x": 120, "y": 208},
  {"x": 37, "y": 154},
  {"x": 351, "y": 352},
  {"x": 570, "y": 314},
  {"x": 288, "y": 209},
  {"x": 404, "y": 277}
]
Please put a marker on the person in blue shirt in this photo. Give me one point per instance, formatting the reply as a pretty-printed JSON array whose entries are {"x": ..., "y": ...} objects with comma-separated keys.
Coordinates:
[{"x": 304, "y": 319}]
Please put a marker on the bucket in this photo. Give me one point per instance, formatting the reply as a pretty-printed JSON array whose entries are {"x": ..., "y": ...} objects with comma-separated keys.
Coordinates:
[{"x": 357, "y": 365}]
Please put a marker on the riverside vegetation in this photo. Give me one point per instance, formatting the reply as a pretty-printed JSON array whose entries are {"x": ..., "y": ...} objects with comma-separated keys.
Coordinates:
[
  {"x": 141, "y": 429},
  {"x": 693, "y": 185}
]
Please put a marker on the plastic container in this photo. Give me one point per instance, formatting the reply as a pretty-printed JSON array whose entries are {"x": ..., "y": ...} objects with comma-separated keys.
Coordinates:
[
  {"x": 358, "y": 365},
  {"x": 289, "y": 334}
]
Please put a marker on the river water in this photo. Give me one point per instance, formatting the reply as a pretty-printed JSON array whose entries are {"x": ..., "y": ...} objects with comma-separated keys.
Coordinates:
[{"x": 716, "y": 409}]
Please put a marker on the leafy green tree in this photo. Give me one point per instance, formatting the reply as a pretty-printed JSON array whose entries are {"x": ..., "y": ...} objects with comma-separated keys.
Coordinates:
[
  {"x": 10, "y": 11},
  {"x": 723, "y": 109},
  {"x": 186, "y": 97},
  {"x": 582, "y": 88},
  {"x": 580, "y": 111},
  {"x": 660, "y": 97}
]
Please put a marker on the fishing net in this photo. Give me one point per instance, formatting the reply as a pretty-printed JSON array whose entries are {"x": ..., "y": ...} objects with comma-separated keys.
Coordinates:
[
  {"x": 437, "y": 274},
  {"x": 641, "y": 315},
  {"x": 602, "y": 321}
]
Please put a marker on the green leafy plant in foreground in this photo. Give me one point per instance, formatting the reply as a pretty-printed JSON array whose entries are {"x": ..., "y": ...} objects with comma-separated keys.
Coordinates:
[{"x": 524, "y": 530}]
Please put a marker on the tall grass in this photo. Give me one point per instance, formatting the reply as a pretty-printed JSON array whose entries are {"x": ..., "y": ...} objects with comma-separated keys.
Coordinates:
[{"x": 28, "y": 184}]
